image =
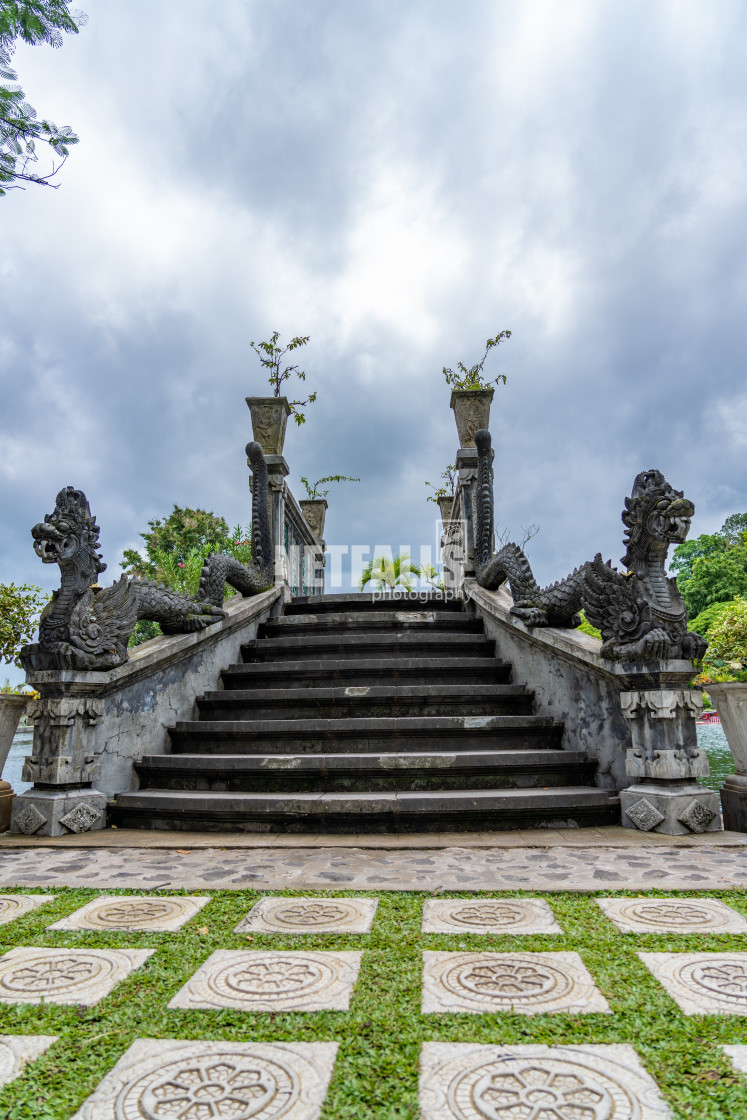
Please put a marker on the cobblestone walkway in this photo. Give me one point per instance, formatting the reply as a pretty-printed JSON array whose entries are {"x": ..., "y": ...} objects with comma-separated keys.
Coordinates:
[{"x": 535, "y": 869}]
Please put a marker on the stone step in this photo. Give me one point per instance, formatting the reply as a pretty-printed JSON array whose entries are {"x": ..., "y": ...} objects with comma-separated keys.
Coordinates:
[
  {"x": 386, "y": 735},
  {"x": 390, "y": 812},
  {"x": 447, "y": 622},
  {"x": 341, "y": 604},
  {"x": 327, "y": 672},
  {"x": 368, "y": 644},
  {"x": 361, "y": 773},
  {"x": 358, "y": 701}
]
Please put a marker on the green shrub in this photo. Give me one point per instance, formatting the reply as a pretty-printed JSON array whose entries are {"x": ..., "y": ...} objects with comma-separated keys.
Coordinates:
[{"x": 20, "y": 607}]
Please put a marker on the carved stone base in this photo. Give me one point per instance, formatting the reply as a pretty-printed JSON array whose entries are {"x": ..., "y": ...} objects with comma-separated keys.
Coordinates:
[
  {"x": 6, "y": 803},
  {"x": 734, "y": 801},
  {"x": 673, "y": 808},
  {"x": 41, "y": 812}
]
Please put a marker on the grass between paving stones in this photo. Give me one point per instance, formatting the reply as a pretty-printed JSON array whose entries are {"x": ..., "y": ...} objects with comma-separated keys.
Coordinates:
[{"x": 376, "y": 1072}]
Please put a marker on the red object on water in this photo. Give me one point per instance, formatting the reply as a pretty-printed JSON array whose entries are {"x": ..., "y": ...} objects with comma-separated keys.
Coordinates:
[{"x": 710, "y": 717}]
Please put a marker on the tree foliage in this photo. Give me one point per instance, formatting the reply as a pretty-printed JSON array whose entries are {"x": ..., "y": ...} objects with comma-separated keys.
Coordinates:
[
  {"x": 271, "y": 357},
  {"x": 20, "y": 607},
  {"x": 386, "y": 573},
  {"x": 471, "y": 377},
  {"x": 727, "y": 637},
  {"x": 176, "y": 536},
  {"x": 33, "y": 22},
  {"x": 176, "y": 549},
  {"x": 712, "y": 568}
]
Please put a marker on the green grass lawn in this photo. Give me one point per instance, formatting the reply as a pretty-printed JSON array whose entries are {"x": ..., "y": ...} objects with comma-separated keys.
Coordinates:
[{"x": 376, "y": 1073}]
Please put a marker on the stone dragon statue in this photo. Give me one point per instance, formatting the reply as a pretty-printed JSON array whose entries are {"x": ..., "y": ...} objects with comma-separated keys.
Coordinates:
[
  {"x": 85, "y": 626},
  {"x": 640, "y": 612},
  {"x": 220, "y": 569}
]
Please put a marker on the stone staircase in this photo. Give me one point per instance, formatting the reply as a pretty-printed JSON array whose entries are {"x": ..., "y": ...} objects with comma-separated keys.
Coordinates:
[{"x": 353, "y": 716}]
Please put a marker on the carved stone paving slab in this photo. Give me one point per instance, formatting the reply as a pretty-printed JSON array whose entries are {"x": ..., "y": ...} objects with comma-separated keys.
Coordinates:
[
  {"x": 128, "y": 913},
  {"x": 488, "y": 915},
  {"x": 66, "y": 976},
  {"x": 272, "y": 981},
  {"x": 529, "y": 983},
  {"x": 738, "y": 1056},
  {"x": 673, "y": 915},
  {"x": 14, "y": 906},
  {"x": 16, "y": 1051},
  {"x": 464, "y": 1081},
  {"x": 702, "y": 983},
  {"x": 310, "y": 915},
  {"x": 169, "y": 1079}
]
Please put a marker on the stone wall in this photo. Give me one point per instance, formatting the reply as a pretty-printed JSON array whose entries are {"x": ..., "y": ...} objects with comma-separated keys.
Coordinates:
[
  {"x": 156, "y": 687},
  {"x": 571, "y": 682}
]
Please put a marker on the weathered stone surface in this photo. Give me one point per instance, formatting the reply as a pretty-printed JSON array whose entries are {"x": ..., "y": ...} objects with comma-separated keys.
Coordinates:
[
  {"x": 65, "y": 976},
  {"x": 156, "y": 686},
  {"x": 471, "y": 412},
  {"x": 570, "y": 681},
  {"x": 525, "y": 983},
  {"x": 14, "y": 906},
  {"x": 698, "y": 815},
  {"x": 310, "y": 915},
  {"x": 644, "y": 815},
  {"x": 571, "y": 862},
  {"x": 674, "y": 803},
  {"x": 58, "y": 812},
  {"x": 160, "y": 1079},
  {"x": 702, "y": 983},
  {"x": 668, "y": 765},
  {"x": 81, "y": 818},
  {"x": 17, "y": 1050},
  {"x": 269, "y": 981},
  {"x": 465, "y": 1081},
  {"x": 673, "y": 915},
  {"x": 127, "y": 913},
  {"x": 488, "y": 915}
]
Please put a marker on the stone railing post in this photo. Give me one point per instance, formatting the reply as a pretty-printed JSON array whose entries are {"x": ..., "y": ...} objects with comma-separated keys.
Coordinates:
[
  {"x": 466, "y": 464},
  {"x": 665, "y": 760},
  {"x": 730, "y": 699},
  {"x": 299, "y": 559},
  {"x": 63, "y": 766}
]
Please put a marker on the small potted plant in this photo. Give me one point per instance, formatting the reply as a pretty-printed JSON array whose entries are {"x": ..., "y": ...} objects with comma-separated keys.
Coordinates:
[
  {"x": 314, "y": 505},
  {"x": 442, "y": 495},
  {"x": 471, "y": 394},
  {"x": 20, "y": 607},
  {"x": 270, "y": 414}
]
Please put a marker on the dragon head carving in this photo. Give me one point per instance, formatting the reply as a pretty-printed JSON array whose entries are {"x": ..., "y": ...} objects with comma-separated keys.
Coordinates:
[
  {"x": 70, "y": 536},
  {"x": 656, "y": 516}
]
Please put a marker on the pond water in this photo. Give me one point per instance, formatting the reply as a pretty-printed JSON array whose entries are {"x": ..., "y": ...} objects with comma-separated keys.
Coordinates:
[{"x": 710, "y": 737}]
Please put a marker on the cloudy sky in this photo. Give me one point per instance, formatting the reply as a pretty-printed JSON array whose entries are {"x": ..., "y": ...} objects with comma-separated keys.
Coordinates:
[{"x": 397, "y": 179}]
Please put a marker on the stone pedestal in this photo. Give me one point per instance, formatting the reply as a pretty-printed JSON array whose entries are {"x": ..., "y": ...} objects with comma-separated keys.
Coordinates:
[
  {"x": 665, "y": 759},
  {"x": 730, "y": 699},
  {"x": 63, "y": 766}
]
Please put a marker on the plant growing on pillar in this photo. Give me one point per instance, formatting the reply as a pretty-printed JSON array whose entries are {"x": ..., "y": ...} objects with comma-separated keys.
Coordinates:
[
  {"x": 472, "y": 377},
  {"x": 313, "y": 493},
  {"x": 387, "y": 573},
  {"x": 449, "y": 477},
  {"x": 271, "y": 356}
]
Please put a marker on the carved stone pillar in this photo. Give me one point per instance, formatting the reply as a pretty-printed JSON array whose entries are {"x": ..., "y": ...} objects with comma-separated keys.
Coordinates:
[
  {"x": 277, "y": 472},
  {"x": 63, "y": 766},
  {"x": 665, "y": 760},
  {"x": 466, "y": 464}
]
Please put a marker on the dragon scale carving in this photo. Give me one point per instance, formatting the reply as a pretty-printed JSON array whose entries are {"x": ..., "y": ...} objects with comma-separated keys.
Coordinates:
[
  {"x": 640, "y": 612},
  {"x": 220, "y": 569},
  {"x": 85, "y": 626}
]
